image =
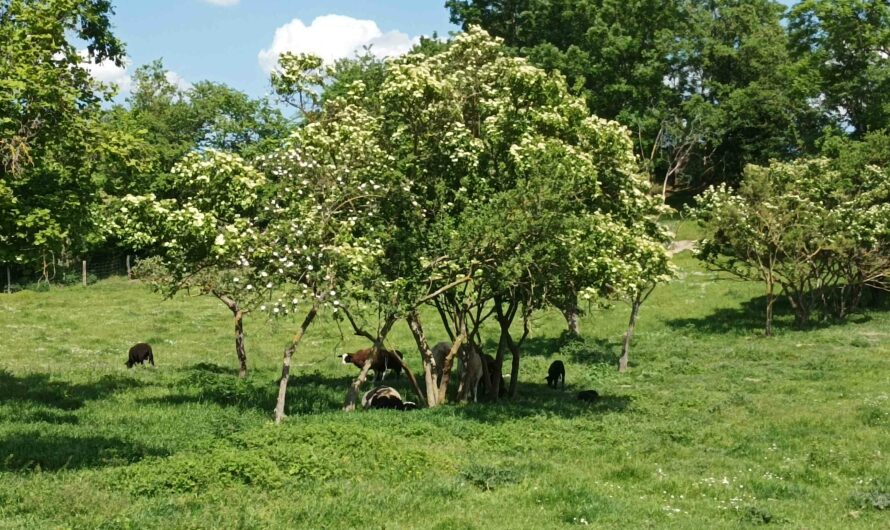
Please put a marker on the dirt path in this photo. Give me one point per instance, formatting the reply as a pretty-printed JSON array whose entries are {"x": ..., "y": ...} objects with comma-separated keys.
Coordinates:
[{"x": 680, "y": 246}]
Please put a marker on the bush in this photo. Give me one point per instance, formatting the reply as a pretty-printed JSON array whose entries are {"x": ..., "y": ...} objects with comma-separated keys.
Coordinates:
[{"x": 820, "y": 234}]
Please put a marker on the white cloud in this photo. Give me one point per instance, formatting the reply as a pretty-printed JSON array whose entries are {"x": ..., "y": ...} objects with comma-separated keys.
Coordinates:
[
  {"x": 223, "y": 2},
  {"x": 108, "y": 72},
  {"x": 333, "y": 37},
  {"x": 177, "y": 80}
]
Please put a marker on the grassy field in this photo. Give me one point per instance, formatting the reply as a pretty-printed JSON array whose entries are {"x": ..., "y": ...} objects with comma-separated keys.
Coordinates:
[{"x": 714, "y": 426}]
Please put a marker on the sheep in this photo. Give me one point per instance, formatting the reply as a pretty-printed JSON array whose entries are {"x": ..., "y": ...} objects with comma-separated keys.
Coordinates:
[
  {"x": 588, "y": 395},
  {"x": 556, "y": 372},
  {"x": 385, "y": 360},
  {"x": 385, "y": 397},
  {"x": 440, "y": 351},
  {"x": 494, "y": 374},
  {"x": 139, "y": 353},
  {"x": 474, "y": 365}
]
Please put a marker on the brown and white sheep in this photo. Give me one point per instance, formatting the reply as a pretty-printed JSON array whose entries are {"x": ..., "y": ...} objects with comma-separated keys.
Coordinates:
[{"x": 385, "y": 360}]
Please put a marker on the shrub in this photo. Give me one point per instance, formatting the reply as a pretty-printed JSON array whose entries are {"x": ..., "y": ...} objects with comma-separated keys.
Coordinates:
[{"x": 820, "y": 235}]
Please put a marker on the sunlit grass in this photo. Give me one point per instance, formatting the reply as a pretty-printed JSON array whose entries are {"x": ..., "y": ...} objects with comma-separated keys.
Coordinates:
[{"x": 713, "y": 427}]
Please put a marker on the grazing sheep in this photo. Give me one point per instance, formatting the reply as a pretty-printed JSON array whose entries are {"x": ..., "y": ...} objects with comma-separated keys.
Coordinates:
[
  {"x": 494, "y": 374},
  {"x": 139, "y": 353},
  {"x": 474, "y": 365},
  {"x": 588, "y": 395},
  {"x": 556, "y": 372},
  {"x": 386, "y": 360},
  {"x": 385, "y": 397}
]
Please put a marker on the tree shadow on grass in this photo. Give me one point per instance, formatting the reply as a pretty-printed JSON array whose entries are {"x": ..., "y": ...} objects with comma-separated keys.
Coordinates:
[
  {"x": 750, "y": 317},
  {"x": 315, "y": 393},
  {"x": 51, "y": 452},
  {"x": 26, "y": 414},
  {"x": 38, "y": 389},
  {"x": 586, "y": 350},
  {"x": 540, "y": 400},
  {"x": 308, "y": 393}
]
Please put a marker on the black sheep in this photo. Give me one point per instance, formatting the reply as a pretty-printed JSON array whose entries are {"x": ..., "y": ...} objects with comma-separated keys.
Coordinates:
[
  {"x": 385, "y": 397},
  {"x": 556, "y": 372},
  {"x": 494, "y": 374},
  {"x": 139, "y": 353},
  {"x": 588, "y": 395},
  {"x": 386, "y": 360}
]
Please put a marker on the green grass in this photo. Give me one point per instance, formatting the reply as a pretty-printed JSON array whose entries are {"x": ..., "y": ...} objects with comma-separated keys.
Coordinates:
[
  {"x": 682, "y": 227},
  {"x": 714, "y": 426}
]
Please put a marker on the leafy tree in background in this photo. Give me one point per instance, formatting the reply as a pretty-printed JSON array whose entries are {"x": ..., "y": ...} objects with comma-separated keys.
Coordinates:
[
  {"x": 704, "y": 86},
  {"x": 49, "y": 132},
  {"x": 166, "y": 121},
  {"x": 847, "y": 43},
  {"x": 757, "y": 97}
]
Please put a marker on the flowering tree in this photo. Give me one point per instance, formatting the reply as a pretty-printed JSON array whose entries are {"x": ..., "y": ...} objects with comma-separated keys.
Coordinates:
[
  {"x": 508, "y": 175},
  {"x": 328, "y": 222},
  {"x": 819, "y": 235},
  {"x": 198, "y": 239}
]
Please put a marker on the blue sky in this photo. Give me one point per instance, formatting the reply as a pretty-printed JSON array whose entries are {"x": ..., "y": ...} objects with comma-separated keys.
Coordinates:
[
  {"x": 222, "y": 40},
  {"x": 201, "y": 39}
]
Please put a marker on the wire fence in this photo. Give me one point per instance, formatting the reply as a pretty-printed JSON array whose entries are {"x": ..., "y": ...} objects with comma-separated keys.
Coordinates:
[{"x": 16, "y": 277}]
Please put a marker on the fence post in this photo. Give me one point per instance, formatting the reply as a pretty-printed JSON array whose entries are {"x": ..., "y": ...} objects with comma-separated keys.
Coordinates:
[
  {"x": 84, "y": 273},
  {"x": 129, "y": 274},
  {"x": 8, "y": 281}
]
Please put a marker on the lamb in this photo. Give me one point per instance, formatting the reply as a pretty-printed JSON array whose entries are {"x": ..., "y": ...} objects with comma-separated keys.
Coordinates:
[
  {"x": 588, "y": 395},
  {"x": 385, "y": 397},
  {"x": 556, "y": 372},
  {"x": 139, "y": 353},
  {"x": 386, "y": 360}
]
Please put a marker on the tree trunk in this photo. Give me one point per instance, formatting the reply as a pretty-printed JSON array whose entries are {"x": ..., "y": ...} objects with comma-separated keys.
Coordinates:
[
  {"x": 499, "y": 364},
  {"x": 429, "y": 362},
  {"x": 573, "y": 319},
  {"x": 514, "y": 368},
  {"x": 413, "y": 381},
  {"x": 285, "y": 367},
  {"x": 356, "y": 386},
  {"x": 505, "y": 319},
  {"x": 447, "y": 365},
  {"x": 239, "y": 343},
  {"x": 573, "y": 316},
  {"x": 770, "y": 300},
  {"x": 238, "y": 316},
  {"x": 625, "y": 348}
]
